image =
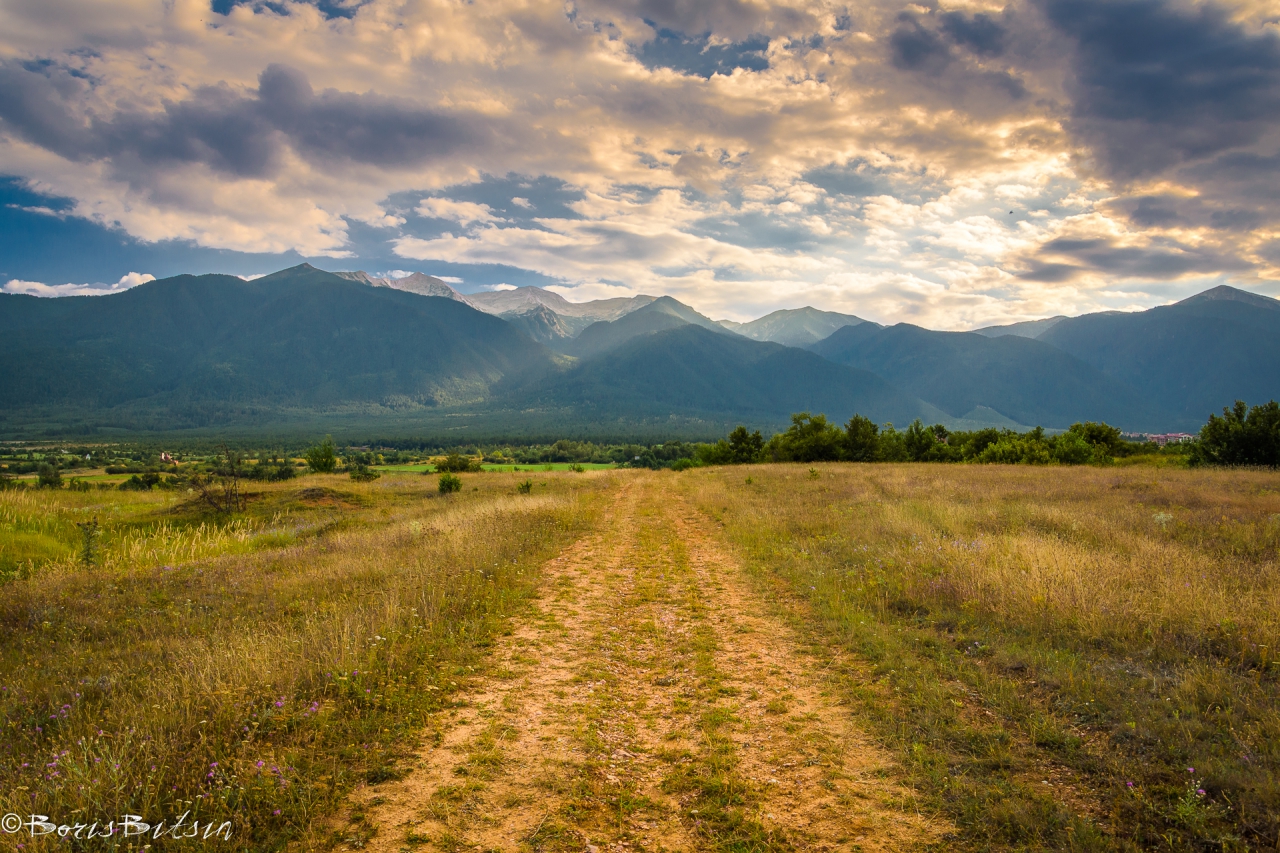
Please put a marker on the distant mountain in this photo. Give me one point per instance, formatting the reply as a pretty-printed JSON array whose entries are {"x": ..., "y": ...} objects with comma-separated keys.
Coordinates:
[
  {"x": 522, "y": 299},
  {"x": 1025, "y": 329},
  {"x": 192, "y": 350},
  {"x": 1192, "y": 357},
  {"x": 692, "y": 371},
  {"x": 660, "y": 314},
  {"x": 542, "y": 324},
  {"x": 1025, "y": 380},
  {"x": 419, "y": 283},
  {"x": 794, "y": 327}
]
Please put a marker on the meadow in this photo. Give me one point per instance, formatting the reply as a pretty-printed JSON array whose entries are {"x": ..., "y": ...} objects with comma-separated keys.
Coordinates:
[
  {"x": 252, "y": 668},
  {"x": 1076, "y": 658},
  {"x": 1068, "y": 658}
]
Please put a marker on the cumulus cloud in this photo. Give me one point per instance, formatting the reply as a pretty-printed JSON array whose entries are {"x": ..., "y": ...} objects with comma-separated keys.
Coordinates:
[
  {"x": 946, "y": 163},
  {"x": 36, "y": 288}
]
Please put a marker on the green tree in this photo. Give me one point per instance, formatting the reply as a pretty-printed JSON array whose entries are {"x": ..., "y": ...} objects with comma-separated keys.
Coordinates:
[
  {"x": 745, "y": 447},
  {"x": 48, "y": 476},
  {"x": 1103, "y": 439},
  {"x": 1242, "y": 436},
  {"x": 921, "y": 441},
  {"x": 322, "y": 459},
  {"x": 810, "y": 438},
  {"x": 862, "y": 439},
  {"x": 450, "y": 483}
]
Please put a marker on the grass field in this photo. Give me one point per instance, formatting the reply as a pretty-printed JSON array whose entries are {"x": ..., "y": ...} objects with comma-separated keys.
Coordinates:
[
  {"x": 252, "y": 669},
  {"x": 1062, "y": 658},
  {"x": 772, "y": 657},
  {"x": 426, "y": 468}
]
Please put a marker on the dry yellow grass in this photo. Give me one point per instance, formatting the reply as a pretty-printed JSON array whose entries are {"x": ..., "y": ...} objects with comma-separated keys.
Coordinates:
[
  {"x": 256, "y": 686},
  {"x": 1118, "y": 624}
]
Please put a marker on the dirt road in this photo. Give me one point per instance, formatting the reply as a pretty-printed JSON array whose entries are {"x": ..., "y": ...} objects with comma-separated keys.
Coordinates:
[{"x": 650, "y": 702}]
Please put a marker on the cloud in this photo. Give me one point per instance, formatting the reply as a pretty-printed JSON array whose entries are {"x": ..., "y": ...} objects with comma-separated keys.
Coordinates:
[
  {"x": 35, "y": 288},
  {"x": 1157, "y": 84},
  {"x": 943, "y": 163}
]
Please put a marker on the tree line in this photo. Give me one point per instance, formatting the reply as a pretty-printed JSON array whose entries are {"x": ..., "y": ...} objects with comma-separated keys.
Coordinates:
[{"x": 1242, "y": 435}]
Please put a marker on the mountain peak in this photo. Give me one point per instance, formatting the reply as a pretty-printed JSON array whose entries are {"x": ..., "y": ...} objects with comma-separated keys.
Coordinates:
[{"x": 1224, "y": 292}]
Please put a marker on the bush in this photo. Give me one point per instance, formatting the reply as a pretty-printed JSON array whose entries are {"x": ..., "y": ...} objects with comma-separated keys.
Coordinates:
[
  {"x": 455, "y": 463},
  {"x": 322, "y": 459},
  {"x": 683, "y": 465},
  {"x": 525, "y": 488},
  {"x": 364, "y": 474},
  {"x": 145, "y": 483},
  {"x": 450, "y": 483}
]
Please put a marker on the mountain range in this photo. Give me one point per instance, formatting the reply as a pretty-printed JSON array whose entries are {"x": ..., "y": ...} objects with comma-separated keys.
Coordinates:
[{"x": 305, "y": 349}]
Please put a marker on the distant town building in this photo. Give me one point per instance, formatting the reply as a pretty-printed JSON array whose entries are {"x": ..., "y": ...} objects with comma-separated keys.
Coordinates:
[{"x": 1162, "y": 438}]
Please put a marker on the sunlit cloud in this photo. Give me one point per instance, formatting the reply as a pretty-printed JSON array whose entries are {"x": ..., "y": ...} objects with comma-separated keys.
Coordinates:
[
  {"x": 36, "y": 288},
  {"x": 950, "y": 165}
]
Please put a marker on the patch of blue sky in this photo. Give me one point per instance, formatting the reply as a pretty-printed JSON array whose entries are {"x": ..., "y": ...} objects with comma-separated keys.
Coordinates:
[
  {"x": 41, "y": 241},
  {"x": 517, "y": 198},
  {"x": 329, "y": 8},
  {"x": 751, "y": 230},
  {"x": 698, "y": 56}
]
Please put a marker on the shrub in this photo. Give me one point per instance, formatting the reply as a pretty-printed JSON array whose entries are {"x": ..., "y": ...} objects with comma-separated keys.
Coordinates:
[
  {"x": 683, "y": 465},
  {"x": 145, "y": 483},
  {"x": 450, "y": 483},
  {"x": 455, "y": 463},
  {"x": 364, "y": 474},
  {"x": 525, "y": 488}
]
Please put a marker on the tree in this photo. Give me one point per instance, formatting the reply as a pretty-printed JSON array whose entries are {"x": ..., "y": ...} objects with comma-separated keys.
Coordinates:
[
  {"x": 48, "y": 476},
  {"x": 810, "y": 438},
  {"x": 862, "y": 439},
  {"x": 220, "y": 490},
  {"x": 1242, "y": 436},
  {"x": 450, "y": 483},
  {"x": 745, "y": 447},
  {"x": 919, "y": 440},
  {"x": 322, "y": 459},
  {"x": 1103, "y": 439}
]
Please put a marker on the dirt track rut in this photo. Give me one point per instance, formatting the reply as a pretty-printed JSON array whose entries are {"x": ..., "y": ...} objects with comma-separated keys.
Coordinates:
[{"x": 650, "y": 702}]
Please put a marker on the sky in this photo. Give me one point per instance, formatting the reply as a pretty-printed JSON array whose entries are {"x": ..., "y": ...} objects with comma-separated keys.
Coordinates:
[{"x": 952, "y": 164}]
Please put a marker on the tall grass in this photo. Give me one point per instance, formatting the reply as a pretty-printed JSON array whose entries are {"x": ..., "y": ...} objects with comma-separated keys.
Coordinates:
[
  {"x": 1120, "y": 625},
  {"x": 257, "y": 686}
]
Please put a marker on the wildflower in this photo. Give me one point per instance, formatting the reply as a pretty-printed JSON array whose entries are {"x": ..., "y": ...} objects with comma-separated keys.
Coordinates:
[
  {"x": 1130, "y": 784},
  {"x": 1200, "y": 792}
]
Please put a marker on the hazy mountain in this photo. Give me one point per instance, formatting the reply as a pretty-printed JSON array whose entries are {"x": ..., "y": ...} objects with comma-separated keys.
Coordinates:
[
  {"x": 419, "y": 283},
  {"x": 794, "y": 327},
  {"x": 214, "y": 347},
  {"x": 1025, "y": 329},
  {"x": 1025, "y": 380},
  {"x": 692, "y": 371},
  {"x": 542, "y": 324},
  {"x": 523, "y": 299},
  {"x": 1192, "y": 357},
  {"x": 660, "y": 314}
]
